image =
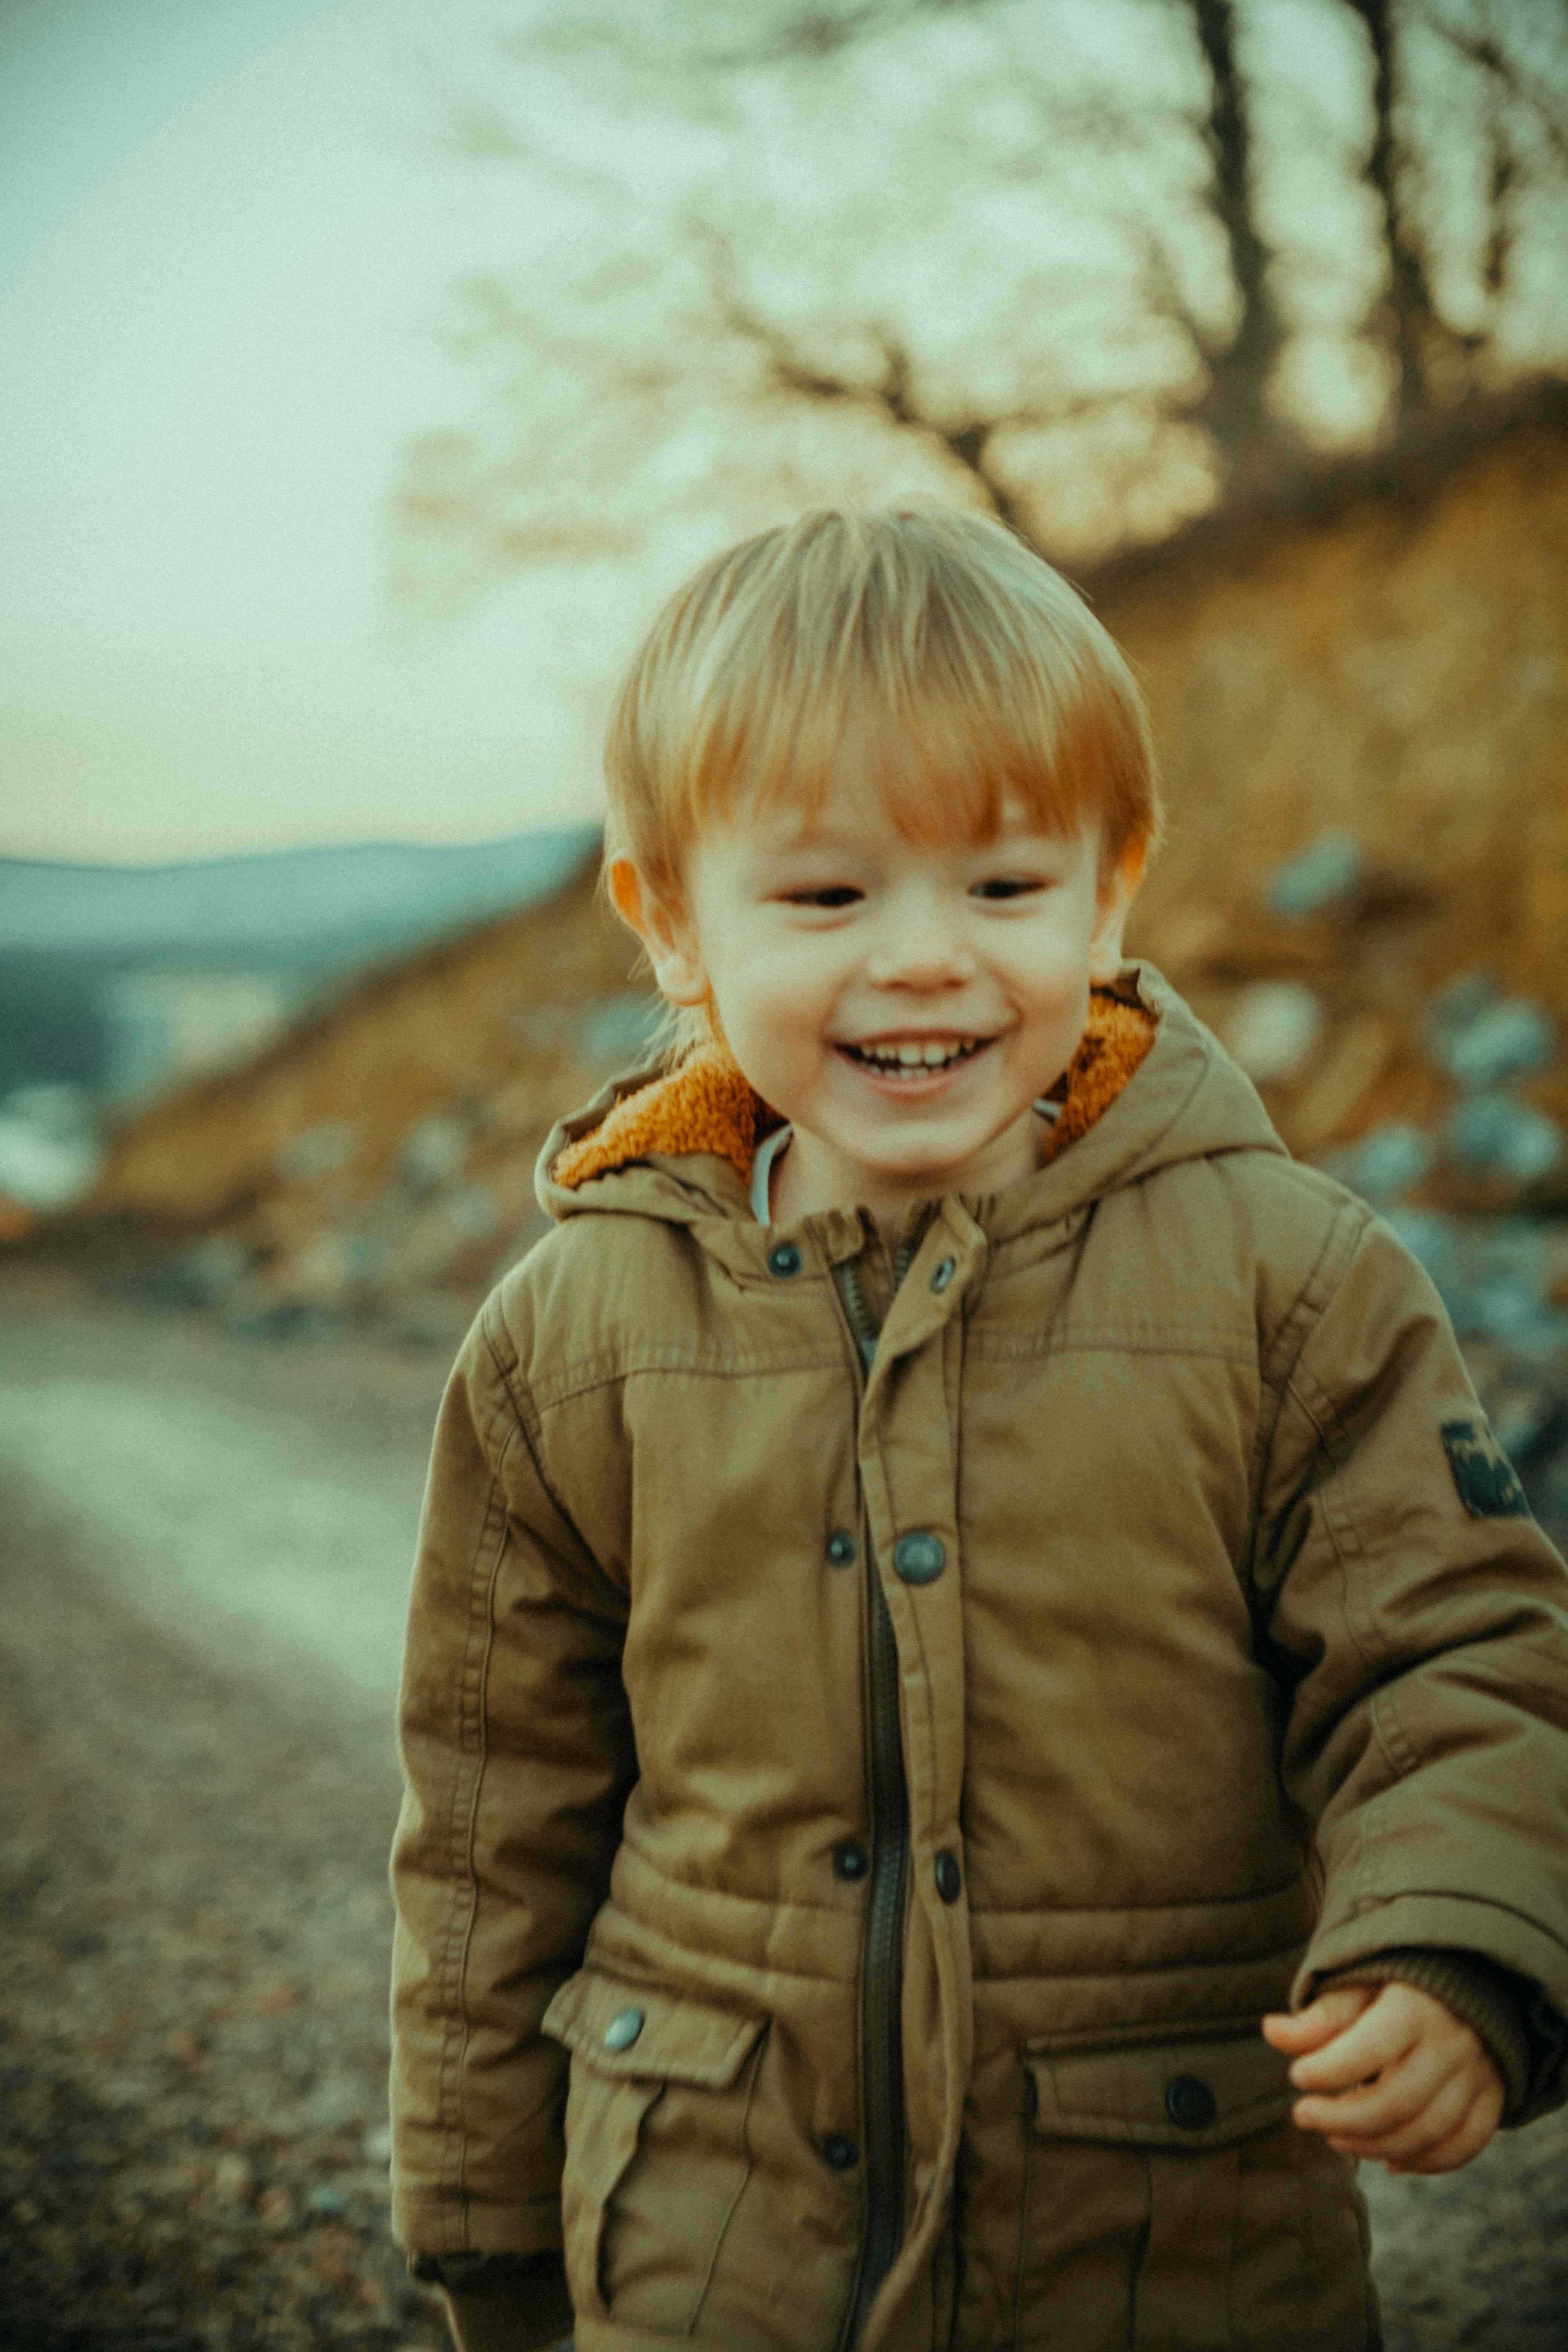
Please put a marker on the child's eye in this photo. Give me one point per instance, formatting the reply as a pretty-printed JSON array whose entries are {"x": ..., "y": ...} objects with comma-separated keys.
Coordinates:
[
  {"x": 837, "y": 894},
  {"x": 1006, "y": 885}
]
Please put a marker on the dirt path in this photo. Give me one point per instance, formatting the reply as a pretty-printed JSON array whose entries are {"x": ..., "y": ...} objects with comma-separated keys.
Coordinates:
[
  {"x": 197, "y": 1807},
  {"x": 193, "y": 1989},
  {"x": 261, "y": 1500}
]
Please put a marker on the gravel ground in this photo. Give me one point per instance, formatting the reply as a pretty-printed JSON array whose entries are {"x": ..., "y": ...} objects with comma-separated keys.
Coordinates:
[
  {"x": 193, "y": 1975},
  {"x": 192, "y": 1995}
]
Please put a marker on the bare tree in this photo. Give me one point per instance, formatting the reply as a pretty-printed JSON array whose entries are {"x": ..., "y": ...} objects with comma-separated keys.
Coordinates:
[{"x": 696, "y": 370}]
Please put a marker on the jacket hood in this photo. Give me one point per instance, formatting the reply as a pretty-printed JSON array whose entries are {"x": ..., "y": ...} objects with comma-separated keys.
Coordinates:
[{"x": 1148, "y": 1087}]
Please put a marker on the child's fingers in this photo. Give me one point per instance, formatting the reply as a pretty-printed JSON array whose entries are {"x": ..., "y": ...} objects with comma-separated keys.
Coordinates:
[
  {"x": 1397, "y": 2117},
  {"x": 1462, "y": 2146},
  {"x": 1309, "y": 2028},
  {"x": 1445, "y": 2135},
  {"x": 1389, "y": 2103},
  {"x": 1379, "y": 2038}
]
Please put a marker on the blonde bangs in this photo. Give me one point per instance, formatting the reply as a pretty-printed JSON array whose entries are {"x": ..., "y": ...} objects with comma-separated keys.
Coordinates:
[{"x": 934, "y": 644}]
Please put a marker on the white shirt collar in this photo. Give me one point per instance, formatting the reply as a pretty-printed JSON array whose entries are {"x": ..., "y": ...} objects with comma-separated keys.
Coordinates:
[
  {"x": 768, "y": 1151},
  {"x": 775, "y": 1146}
]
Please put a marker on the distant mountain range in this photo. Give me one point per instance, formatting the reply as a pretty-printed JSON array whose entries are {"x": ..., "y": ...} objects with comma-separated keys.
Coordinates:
[
  {"x": 119, "y": 978},
  {"x": 326, "y": 909}
]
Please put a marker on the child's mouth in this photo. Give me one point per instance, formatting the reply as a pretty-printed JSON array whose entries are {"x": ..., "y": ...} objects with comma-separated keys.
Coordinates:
[{"x": 909, "y": 1059}]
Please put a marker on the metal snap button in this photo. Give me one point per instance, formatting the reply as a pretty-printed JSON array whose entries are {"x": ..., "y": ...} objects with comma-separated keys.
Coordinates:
[
  {"x": 918, "y": 1559},
  {"x": 944, "y": 1275},
  {"x": 785, "y": 1261},
  {"x": 841, "y": 2154},
  {"x": 623, "y": 2028},
  {"x": 1190, "y": 2104},
  {"x": 948, "y": 1877},
  {"x": 850, "y": 1861},
  {"x": 842, "y": 1547}
]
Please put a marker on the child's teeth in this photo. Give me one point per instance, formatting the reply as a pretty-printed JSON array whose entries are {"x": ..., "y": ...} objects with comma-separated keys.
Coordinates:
[
  {"x": 934, "y": 1056},
  {"x": 918, "y": 1057}
]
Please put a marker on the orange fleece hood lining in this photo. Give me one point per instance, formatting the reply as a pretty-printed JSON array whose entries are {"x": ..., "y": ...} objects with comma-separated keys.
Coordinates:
[{"x": 707, "y": 1105}]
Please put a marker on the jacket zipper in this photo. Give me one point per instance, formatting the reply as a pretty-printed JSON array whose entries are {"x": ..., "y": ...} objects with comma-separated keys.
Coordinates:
[{"x": 882, "y": 2054}]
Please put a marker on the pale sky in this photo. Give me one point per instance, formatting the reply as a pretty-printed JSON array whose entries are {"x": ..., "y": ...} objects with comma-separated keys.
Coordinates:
[
  {"x": 232, "y": 234},
  {"x": 227, "y": 232}
]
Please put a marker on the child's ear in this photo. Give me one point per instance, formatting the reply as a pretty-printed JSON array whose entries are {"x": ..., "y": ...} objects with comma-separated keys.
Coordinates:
[
  {"x": 665, "y": 931},
  {"x": 1114, "y": 898}
]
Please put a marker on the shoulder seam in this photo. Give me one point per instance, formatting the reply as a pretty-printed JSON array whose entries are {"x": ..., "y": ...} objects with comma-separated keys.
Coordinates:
[
  {"x": 1340, "y": 1240},
  {"x": 514, "y": 1391}
]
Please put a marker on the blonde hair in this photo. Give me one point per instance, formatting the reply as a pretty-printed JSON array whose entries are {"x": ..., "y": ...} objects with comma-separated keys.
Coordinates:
[{"x": 968, "y": 668}]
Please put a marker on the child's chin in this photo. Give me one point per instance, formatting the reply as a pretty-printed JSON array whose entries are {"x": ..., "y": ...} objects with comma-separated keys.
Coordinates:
[{"x": 936, "y": 1161}]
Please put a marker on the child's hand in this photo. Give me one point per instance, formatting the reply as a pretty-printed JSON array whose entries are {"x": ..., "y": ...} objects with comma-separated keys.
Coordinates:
[{"x": 1392, "y": 2075}]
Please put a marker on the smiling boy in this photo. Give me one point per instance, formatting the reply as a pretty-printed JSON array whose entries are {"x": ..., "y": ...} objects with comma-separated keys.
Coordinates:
[
  {"x": 956, "y": 1667},
  {"x": 900, "y": 995}
]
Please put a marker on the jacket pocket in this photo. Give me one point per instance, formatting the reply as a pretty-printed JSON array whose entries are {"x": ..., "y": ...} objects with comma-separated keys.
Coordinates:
[
  {"x": 656, "y": 2149},
  {"x": 1171, "y": 2205},
  {"x": 1185, "y": 2094}
]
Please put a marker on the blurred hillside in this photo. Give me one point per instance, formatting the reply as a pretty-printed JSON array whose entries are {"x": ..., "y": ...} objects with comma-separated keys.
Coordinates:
[
  {"x": 381, "y": 1153},
  {"x": 1364, "y": 726}
]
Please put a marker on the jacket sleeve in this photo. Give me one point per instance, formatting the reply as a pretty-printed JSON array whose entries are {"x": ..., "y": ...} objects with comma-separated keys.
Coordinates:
[
  {"x": 1417, "y": 1618},
  {"x": 517, "y": 1757}
]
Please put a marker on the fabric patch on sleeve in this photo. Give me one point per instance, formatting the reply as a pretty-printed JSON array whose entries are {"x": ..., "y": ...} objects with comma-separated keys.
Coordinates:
[{"x": 1483, "y": 1474}]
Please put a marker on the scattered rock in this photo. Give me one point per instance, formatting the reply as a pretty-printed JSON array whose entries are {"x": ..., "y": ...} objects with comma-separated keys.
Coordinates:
[
  {"x": 433, "y": 1151},
  {"x": 1493, "y": 1135},
  {"x": 1273, "y": 1028},
  {"x": 233, "y": 2183},
  {"x": 472, "y": 1213},
  {"x": 1385, "y": 1164},
  {"x": 1319, "y": 877},
  {"x": 276, "y": 2210},
  {"x": 1482, "y": 1039},
  {"x": 207, "y": 1275},
  {"x": 1496, "y": 1275},
  {"x": 318, "y": 1150}
]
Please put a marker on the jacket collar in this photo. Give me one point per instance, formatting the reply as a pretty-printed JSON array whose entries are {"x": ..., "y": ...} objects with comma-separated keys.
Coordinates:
[
  {"x": 1138, "y": 1094},
  {"x": 707, "y": 1105}
]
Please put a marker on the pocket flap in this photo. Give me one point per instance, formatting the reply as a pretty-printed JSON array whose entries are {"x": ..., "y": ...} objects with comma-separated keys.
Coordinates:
[
  {"x": 646, "y": 2032},
  {"x": 1191, "y": 2095}
]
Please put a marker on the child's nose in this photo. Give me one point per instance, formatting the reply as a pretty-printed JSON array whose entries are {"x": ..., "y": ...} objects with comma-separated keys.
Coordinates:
[{"x": 921, "y": 945}]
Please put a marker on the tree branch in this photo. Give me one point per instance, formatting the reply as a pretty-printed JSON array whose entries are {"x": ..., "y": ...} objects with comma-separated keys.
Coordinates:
[
  {"x": 1407, "y": 305},
  {"x": 1234, "y": 408},
  {"x": 1491, "y": 58},
  {"x": 805, "y": 32},
  {"x": 889, "y": 391},
  {"x": 1499, "y": 240}
]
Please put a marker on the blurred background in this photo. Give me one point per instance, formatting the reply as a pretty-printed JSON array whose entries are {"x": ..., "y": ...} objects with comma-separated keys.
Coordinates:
[{"x": 370, "y": 374}]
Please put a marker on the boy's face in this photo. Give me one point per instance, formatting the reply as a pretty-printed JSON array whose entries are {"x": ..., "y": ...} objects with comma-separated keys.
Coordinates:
[{"x": 900, "y": 1004}]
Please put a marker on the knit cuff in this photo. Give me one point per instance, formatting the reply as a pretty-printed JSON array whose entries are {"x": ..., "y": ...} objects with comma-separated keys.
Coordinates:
[
  {"x": 501, "y": 2303},
  {"x": 1493, "y": 2002}
]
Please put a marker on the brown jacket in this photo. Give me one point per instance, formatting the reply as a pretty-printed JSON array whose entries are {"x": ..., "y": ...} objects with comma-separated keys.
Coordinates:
[{"x": 901, "y": 1769}]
